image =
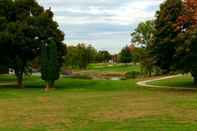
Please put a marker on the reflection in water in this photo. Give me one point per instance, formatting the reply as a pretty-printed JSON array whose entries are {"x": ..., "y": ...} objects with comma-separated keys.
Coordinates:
[{"x": 108, "y": 78}]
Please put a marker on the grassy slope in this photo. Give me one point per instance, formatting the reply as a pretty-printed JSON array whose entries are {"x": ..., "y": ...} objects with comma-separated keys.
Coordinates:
[
  {"x": 84, "y": 105},
  {"x": 113, "y": 68}
]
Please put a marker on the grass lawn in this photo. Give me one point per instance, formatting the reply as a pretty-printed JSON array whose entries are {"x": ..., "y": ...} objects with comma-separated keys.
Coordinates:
[
  {"x": 114, "y": 67},
  {"x": 95, "y": 105},
  {"x": 181, "y": 81}
]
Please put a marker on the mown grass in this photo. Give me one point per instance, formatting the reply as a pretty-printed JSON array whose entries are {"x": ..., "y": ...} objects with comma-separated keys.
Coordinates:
[
  {"x": 114, "y": 67},
  {"x": 95, "y": 105},
  {"x": 181, "y": 81}
]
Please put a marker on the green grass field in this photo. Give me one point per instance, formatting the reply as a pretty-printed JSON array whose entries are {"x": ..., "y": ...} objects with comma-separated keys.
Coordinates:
[
  {"x": 95, "y": 105},
  {"x": 182, "y": 81},
  {"x": 113, "y": 67}
]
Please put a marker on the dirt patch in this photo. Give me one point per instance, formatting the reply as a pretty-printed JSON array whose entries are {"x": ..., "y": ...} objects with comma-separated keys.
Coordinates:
[{"x": 43, "y": 99}]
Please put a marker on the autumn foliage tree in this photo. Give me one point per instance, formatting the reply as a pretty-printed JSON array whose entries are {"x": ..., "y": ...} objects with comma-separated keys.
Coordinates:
[
  {"x": 163, "y": 47},
  {"x": 175, "y": 44},
  {"x": 186, "y": 47},
  {"x": 189, "y": 15}
]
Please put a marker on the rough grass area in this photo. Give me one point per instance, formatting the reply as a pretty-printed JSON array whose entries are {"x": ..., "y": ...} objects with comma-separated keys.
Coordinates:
[
  {"x": 181, "y": 81},
  {"x": 95, "y": 105},
  {"x": 114, "y": 67}
]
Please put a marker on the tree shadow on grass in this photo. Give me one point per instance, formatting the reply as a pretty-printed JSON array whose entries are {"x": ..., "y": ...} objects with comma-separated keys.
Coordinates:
[{"x": 78, "y": 85}]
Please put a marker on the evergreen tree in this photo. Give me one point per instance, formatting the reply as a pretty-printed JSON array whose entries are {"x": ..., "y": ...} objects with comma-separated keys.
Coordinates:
[{"x": 50, "y": 68}]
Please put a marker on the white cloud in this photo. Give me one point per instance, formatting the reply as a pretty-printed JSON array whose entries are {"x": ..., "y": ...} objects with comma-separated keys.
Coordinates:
[{"x": 106, "y": 18}]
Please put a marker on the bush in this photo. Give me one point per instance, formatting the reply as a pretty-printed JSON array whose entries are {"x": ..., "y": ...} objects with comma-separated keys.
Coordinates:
[{"x": 133, "y": 74}]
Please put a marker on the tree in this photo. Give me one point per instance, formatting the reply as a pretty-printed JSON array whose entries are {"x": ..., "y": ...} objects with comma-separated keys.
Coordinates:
[
  {"x": 80, "y": 56},
  {"x": 143, "y": 37},
  {"x": 83, "y": 56},
  {"x": 125, "y": 55},
  {"x": 24, "y": 26},
  {"x": 163, "y": 48},
  {"x": 176, "y": 37},
  {"x": 144, "y": 34},
  {"x": 91, "y": 53},
  {"x": 103, "y": 56},
  {"x": 50, "y": 68},
  {"x": 186, "y": 49},
  {"x": 71, "y": 57},
  {"x": 188, "y": 16}
]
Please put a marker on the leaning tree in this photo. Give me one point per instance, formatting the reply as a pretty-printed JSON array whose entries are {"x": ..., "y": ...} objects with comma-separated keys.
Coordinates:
[{"x": 24, "y": 27}]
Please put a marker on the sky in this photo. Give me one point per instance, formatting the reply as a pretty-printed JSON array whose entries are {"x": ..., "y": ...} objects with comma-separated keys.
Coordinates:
[{"x": 105, "y": 24}]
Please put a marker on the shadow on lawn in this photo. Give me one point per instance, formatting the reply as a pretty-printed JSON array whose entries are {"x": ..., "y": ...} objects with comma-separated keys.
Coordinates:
[{"x": 60, "y": 85}]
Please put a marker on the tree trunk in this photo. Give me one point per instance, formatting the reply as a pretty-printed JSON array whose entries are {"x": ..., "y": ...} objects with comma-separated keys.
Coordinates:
[
  {"x": 19, "y": 76},
  {"x": 20, "y": 83},
  {"x": 149, "y": 73},
  {"x": 194, "y": 75},
  {"x": 195, "y": 80},
  {"x": 49, "y": 85}
]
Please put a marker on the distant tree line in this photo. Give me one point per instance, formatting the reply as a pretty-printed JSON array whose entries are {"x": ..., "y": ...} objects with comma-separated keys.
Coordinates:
[{"x": 81, "y": 55}]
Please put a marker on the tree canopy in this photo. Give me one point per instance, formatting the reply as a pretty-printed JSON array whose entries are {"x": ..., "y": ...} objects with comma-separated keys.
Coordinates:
[
  {"x": 164, "y": 44},
  {"x": 186, "y": 49},
  {"x": 125, "y": 55},
  {"x": 174, "y": 46},
  {"x": 24, "y": 27}
]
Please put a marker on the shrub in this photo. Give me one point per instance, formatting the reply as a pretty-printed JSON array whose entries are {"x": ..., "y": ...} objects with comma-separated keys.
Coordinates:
[{"x": 133, "y": 74}]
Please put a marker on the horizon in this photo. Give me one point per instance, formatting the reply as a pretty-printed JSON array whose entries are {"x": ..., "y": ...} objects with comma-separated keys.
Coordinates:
[{"x": 101, "y": 23}]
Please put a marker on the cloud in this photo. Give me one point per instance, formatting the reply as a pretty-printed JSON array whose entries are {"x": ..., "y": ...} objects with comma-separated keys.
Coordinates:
[{"x": 103, "y": 23}]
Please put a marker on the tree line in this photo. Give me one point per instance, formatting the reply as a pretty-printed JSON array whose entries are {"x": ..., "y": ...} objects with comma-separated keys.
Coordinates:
[{"x": 81, "y": 55}]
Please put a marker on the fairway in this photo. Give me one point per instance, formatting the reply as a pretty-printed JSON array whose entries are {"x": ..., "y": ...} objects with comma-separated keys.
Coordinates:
[
  {"x": 113, "y": 67},
  {"x": 87, "y": 105},
  {"x": 98, "y": 65}
]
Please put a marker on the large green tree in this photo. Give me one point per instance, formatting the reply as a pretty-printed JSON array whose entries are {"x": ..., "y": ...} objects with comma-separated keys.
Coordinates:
[
  {"x": 186, "y": 47},
  {"x": 24, "y": 27},
  {"x": 163, "y": 48}
]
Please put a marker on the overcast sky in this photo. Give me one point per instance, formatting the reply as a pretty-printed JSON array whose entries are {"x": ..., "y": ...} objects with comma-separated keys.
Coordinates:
[{"x": 106, "y": 24}]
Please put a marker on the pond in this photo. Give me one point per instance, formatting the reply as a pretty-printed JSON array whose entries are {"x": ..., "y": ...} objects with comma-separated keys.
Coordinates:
[{"x": 114, "y": 78}]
